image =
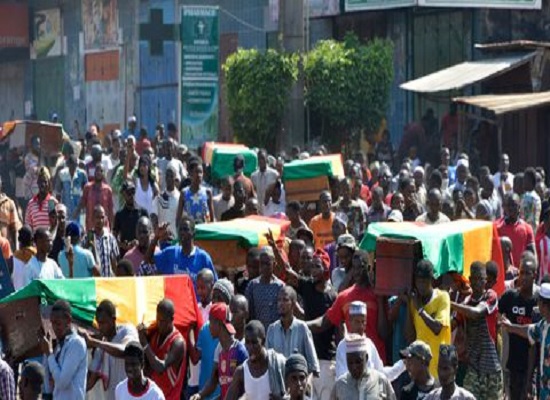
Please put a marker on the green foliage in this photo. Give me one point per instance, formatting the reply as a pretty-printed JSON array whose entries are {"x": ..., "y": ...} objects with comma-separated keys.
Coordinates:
[
  {"x": 258, "y": 88},
  {"x": 348, "y": 86}
]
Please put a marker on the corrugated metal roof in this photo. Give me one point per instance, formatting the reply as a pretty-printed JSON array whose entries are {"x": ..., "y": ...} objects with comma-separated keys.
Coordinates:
[
  {"x": 504, "y": 103},
  {"x": 464, "y": 74}
]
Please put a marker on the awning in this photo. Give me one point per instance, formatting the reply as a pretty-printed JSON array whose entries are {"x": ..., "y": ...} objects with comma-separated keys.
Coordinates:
[
  {"x": 504, "y": 103},
  {"x": 464, "y": 74}
]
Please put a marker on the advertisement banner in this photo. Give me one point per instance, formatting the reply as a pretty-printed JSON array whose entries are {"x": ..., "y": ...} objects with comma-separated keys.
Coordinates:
[
  {"x": 100, "y": 24},
  {"x": 199, "y": 74},
  {"x": 47, "y": 33},
  {"x": 14, "y": 25},
  {"x": 362, "y": 5},
  {"x": 507, "y": 4}
]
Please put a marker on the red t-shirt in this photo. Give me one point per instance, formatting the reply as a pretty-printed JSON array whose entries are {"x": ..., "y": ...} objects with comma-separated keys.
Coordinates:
[
  {"x": 339, "y": 312},
  {"x": 521, "y": 235}
]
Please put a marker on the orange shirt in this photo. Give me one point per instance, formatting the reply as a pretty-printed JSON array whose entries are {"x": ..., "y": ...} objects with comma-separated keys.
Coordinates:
[{"x": 322, "y": 230}]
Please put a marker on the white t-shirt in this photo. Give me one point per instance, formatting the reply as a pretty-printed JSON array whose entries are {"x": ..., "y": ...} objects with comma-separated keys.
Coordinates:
[
  {"x": 166, "y": 209},
  {"x": 152, "y": 392},
  {"x": 42, "y": 270},
  {"x": 19, "y": 273}
]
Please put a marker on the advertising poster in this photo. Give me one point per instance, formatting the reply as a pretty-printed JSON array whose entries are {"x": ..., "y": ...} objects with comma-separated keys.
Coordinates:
[
  {"x": 100, "y": 24},
  {"x": 200, "y": 74},
  {"x": 47, "y": 33}
]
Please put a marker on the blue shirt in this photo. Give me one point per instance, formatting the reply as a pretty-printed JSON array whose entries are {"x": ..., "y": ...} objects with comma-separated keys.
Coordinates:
[
  {"x": 71, "y": 188},
  {"x": 172, "y": 261},
  {"x": 196, "y": 204},
  {"x": 83, "y": 262},
  {"x": 68, "y": 366},
  {"x": 207, "y": 345}
]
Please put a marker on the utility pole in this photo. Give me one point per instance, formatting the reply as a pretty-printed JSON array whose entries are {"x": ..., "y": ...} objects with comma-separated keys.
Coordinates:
[{"x": 293, "y": 40}]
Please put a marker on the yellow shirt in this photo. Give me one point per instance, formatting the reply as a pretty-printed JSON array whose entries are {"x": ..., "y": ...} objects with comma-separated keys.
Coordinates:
[
  {"x": 439, "y": 308},
  {"x": 322, "y": 230}
]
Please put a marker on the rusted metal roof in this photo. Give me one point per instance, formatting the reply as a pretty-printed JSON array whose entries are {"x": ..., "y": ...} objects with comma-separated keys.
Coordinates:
[
  {"x": 465, "y": 74},
  {"x": 505, "y": 103},
  {"x": 513, "y": 45}
]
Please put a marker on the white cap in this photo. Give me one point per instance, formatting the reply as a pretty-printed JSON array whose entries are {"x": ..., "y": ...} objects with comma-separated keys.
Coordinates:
[
  {"x": 545, "y": 291},
  {"x": 356, "y": 343},
  {"x": 132, "y": 119},
  {"x": 463, "y": 162},
  {"x": 357, "y": 308}
]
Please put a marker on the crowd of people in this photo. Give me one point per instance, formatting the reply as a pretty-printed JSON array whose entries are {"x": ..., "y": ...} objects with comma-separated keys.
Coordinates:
[{"x": 303, "y": 321}]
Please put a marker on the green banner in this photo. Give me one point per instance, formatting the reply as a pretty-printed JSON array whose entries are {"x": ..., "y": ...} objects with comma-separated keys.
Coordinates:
[
  {"x": 361, "y": 5},
  {"x": 200, "y": 86}
]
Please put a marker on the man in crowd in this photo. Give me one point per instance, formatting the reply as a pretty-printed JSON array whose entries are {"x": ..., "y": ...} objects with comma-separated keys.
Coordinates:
[
  {"x": 31, "y": 381},
  {"x": 263, "y": 365},
  {"x": 40, "y": 266},
  {"x": 434, "y": 215},
  {"x": 103, "y": 244},
  {"x": 484, "y": 373},
  {"x": 376, "y": 327},
  {"x": 224, "y": 200},
  {"x": 229, "y": 355},
  {"x": 263, "y": 178},
  {"x": 96, "y": 192},
  {"x": 40, "y": 204},
  {"x": 22, "y": 256},
  {"x": 183, "y": 258},
  {"x": 66, "y": 363},
  {"x": 417, "y": 359},
  {"x": 531, "y": 205},
  {"x": 76, "y": 261},
  {"x": 136, "y": 385},
  {"x": 107, "y": 366},
  {"x": 237, "y": 210},
  {"x": 165, "y": 206},
  {"x": 262, "y": 292},
  {"x": 447, "y": 369},
  {"x": 137, "y": 253},
  {"x": 10, "y": 222},
  {"x": 290, "y": 334},
  {"x": 124, "y": 228},
  {"x": 503, "y": 179},
  {"x": 165, "y": 351},
  {"x": 238, "y": 167},
  {"x": 70, "y": 185},
  {"x": 321, "y": 224},
  {"x": 429, "y": 312},
  {"x": 515, "y": 228},
  {"x": 360, "y": 381},
  {"x": 518, "y": 305}
]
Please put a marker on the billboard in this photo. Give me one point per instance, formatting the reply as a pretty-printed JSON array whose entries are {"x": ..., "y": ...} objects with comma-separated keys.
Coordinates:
[{"x": 47, "y": 33}]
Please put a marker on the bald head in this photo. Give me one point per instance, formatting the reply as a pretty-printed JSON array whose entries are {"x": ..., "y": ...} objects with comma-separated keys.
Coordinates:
[{"x": 166, "y": 308}]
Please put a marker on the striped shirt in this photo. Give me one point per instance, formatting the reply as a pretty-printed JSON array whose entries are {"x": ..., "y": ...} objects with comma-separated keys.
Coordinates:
[
  {"x": 7, "y": 382},
  {"x": 37, "y": 212},
  {"x": 107, "y": 248}
]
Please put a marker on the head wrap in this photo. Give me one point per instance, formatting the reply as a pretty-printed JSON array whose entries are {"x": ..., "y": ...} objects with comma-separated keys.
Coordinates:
[
  {"x": 225, "y": 287},
  {"x": 322, "y": 255}
]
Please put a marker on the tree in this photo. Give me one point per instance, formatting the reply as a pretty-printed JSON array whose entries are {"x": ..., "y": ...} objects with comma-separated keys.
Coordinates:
[
  {"x": 258, "y": 87},
  {"x": 348, "y": 86}
]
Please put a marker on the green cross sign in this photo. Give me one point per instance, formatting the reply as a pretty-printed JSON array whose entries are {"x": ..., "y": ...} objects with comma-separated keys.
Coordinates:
[{"x": 156, "y": 32}]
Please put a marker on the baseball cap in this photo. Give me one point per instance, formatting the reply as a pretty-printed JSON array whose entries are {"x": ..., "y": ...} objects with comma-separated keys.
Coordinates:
[
  {"x": 73, "y": 230},
  {"x": 418, "y": 349},
  {"x": 220, "y": 312},
  {"x": 132, "y": 119},
  {"x": 545, "y": 291},
  {"x": 348, "y": 241}
]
